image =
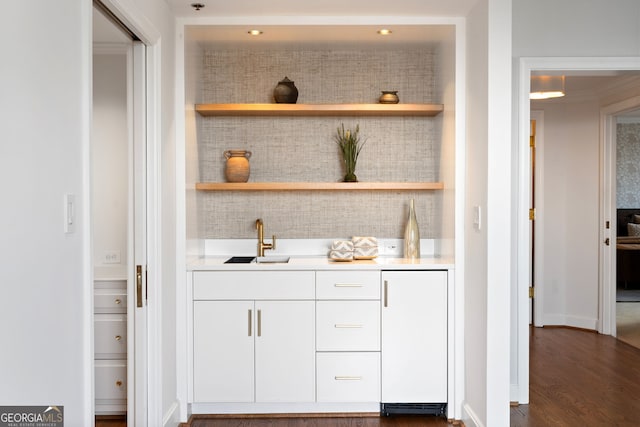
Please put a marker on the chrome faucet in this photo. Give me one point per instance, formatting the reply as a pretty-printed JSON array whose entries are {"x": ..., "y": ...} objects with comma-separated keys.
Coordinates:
[{"x": 261, "y": 244}]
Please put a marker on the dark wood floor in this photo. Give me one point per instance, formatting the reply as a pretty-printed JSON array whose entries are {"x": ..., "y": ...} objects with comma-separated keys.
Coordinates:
[
  {"x": 580, "y": 378},
  {"x": 577, "y": 378}
]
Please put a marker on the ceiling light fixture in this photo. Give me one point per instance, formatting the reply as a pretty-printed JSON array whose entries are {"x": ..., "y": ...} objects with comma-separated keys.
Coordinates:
[
  {"x": 384, "y": 32},
  {"x": 545, "y": 87},
  {"x": 254, "y": 32},
  {"x": 197, "y": 6}
]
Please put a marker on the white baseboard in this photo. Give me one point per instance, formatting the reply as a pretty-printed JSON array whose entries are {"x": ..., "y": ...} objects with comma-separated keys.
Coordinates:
[
  {"x": 469, "y": 417},
  {"x": 171, "y": 417},
  {"x": 573, "y": 321},
  {"x": 514, "y": 393}
]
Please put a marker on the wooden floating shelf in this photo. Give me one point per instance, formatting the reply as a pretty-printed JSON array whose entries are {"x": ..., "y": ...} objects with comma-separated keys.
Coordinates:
[
  {"x": 318, "y": 186},
  {"x": 425, "y": 110}
]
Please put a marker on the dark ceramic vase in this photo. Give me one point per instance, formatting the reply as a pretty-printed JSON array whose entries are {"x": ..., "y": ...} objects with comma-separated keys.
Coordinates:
[{"x": 286, "y": 92}]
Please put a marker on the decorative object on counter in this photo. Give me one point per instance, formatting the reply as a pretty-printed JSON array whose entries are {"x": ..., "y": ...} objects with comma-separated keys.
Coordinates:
[
  {"x": 412, "y": 235},
  {"x": 350, "y": 147},
  {"x": 364, "y": 247},
  {"x": 285, "y": 92},
  {"x": 341, "y": 250},
  {"x": 237, "y": 166},
  {"x": 389, "y": 97}
]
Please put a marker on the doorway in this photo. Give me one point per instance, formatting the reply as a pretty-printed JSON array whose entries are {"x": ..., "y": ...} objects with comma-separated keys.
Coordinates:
[
  {"x": 602, "y": 306},
  {"x": 119, "y": 221}
]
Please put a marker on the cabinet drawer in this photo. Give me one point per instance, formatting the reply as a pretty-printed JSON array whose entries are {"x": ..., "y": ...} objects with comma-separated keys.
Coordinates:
[
  {"x": 110, "y": 341},
  {"x": 348, "y": 377},
  {"x": 253, "y": 285},
  {"x": 348, "y": 325},
  {"x": 348, "y": 285},
  {"x": 110, "y": 301},
  {"x": 111, "y": 379}
]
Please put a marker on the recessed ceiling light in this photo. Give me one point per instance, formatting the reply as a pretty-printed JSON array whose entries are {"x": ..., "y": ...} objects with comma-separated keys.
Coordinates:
[
  {"x": 197, "y": 6},
  {"x": 254, "y": 32},
  {"x": 384, "y": 32}
]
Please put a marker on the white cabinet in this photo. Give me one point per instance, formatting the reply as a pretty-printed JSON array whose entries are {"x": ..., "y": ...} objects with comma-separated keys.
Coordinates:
[
  {"x": 254, "y": 350},
  {"x": 110, "y": 346},
  {"x": 348, "y": 336},
  {"x": 414, "y": 336}
]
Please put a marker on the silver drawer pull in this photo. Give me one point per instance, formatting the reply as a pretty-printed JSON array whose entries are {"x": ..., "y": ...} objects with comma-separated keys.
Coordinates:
[
  {"x": 118, "y": 337},
  {"x": 118, "y": 301},
  {"x": 348, "y": 285},
  {"x": 348, "y": 325},
  {"x": 347, "y": 378}
]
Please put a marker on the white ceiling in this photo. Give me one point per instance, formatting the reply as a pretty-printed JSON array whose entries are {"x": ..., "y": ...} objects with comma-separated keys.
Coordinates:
[{"x": 260, "y": 8}]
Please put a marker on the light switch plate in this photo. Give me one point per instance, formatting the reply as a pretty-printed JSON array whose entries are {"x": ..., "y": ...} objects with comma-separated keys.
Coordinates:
[
  {"x": 69, "y": 213},
  {"x": 477, "y": 217}
]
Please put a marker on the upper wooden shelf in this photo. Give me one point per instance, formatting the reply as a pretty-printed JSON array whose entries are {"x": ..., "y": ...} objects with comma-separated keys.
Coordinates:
[
  {"x": 426, "y": 110},
  {"x": 316, "y": 186}
]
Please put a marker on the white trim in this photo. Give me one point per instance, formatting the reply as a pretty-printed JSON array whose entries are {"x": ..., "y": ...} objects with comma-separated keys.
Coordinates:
[
  {"x": 572, "y": 321},
  {"x": 172, "y": 416},
  {"x": 284, "y": 408},
  {"x": 522, "y": 242},
  {"x": 460, "y": 209},
  {"x": 539, "y": 205},
  {"x": 136, "y": 21},
  {"x": 86, "y": 124},
  {"x": 155, "y": 298},
  {"x": 470, "y": 418}
]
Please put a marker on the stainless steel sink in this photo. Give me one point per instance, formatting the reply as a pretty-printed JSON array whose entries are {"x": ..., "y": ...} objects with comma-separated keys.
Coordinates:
[{"x": 273, "y": 259}]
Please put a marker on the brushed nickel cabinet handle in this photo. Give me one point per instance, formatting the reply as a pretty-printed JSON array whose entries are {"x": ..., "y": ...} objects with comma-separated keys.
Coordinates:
[
  {"x": 348, "y": 325},
  {"x": 386, "y": 292},
  {"x": 118, "y": 337},
  {"x": 118, "y": 301},
  {"x": 348, "y": 285},
  {"x": 249, "y": 321},
  {"x": 259, "y": 323},
  {"x": 347, "y": 378}
]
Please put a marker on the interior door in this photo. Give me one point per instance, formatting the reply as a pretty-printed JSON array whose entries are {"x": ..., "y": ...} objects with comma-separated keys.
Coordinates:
[{"x": 137, "y": 411}]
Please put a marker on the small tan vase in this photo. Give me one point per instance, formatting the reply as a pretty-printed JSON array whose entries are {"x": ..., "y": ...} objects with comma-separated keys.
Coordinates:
[{"x": 237, "y": 167}]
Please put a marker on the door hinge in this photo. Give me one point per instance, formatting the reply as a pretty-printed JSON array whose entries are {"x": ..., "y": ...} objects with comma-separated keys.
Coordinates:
[
  {"x": 531, "y": 292},
  {"x": 532, "y": 214}
]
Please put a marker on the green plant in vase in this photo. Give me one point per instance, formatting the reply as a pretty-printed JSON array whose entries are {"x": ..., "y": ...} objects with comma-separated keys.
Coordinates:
[{"x": 350, "y": 146}]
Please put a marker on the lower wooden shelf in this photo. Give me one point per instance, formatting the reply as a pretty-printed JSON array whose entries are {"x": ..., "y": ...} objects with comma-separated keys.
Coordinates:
[{"x": 319, "y": 186}]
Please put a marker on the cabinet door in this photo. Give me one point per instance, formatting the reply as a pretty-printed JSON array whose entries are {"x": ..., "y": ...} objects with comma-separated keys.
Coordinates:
[
  {"x": 285, "y": 351},
  {"x": 223, "y": 357},
  {"x": 414, "y": 337}
]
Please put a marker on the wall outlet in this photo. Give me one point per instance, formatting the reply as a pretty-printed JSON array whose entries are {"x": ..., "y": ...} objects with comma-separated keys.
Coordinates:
[{"x": 111, "y": 257}]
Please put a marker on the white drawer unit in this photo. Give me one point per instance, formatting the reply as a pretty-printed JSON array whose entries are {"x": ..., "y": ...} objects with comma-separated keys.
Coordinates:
[
  {"x": 348, "y": 336},
  {"x": 111, "y": 380},
  {"x": 344, "y": 285},
  {"x": 110, "y": 346},
  {"x": 110, "y": 341},
  {"x": 348, "y": 326},
  {"x": 348, "y": 377},
  {"x": 110, "y": 301}
]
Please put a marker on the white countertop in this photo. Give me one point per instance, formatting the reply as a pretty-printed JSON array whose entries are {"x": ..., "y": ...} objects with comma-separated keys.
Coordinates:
[{"x": 322, "y": 263}]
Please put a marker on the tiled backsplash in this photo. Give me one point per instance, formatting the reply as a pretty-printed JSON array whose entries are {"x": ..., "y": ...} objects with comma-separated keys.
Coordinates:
[{"x": 302, "y": 148}]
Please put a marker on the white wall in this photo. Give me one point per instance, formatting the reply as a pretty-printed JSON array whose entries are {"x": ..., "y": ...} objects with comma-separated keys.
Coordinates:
[
  {"x": 44, "y": 153},
  {"x": 475, "y": 309},
  {"x": 570, "y": 206},
  {"x": 109, "y": 162}
]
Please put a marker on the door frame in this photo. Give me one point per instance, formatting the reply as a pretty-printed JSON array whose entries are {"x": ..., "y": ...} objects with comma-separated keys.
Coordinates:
[
  {"x": 146, "y": 369},
  {"x": 538, "y": 237},
  {"x": 520, "y": 392},
  {"x": 608, "y": 208}
]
